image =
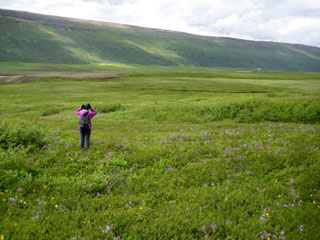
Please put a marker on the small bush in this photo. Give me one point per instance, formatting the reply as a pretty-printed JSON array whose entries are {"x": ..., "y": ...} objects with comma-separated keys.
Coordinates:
[
  {"x": 244, "y": 111},
  {"x": 12, "y": 136},
  {"x": 107, "y": 108},
  {"x": 50, "y": 111}
]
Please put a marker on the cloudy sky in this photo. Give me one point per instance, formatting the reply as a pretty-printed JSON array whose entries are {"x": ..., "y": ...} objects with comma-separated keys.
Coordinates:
[{"x": 294, "y": 21}]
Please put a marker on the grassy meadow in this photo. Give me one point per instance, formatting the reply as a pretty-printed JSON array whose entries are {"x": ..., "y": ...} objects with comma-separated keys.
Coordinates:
[{"x": 174, "y": 155}]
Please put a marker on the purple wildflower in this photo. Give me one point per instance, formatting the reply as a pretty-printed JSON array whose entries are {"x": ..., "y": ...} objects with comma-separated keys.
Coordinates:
[
  {"x": 265, "y": 234},
  {"x": 19, "y": 189},
  {"x": 205, "y": 132},
  {"x": 213, "y": 226},
  {"x": 44, "y": 147},
  {"x": 12, "y": 199},
  {"x": 109, "y": 154},
  {"x": 120, "y": 145},
  {"x": 293, "y": 191},
  {"x": 200, "y": 209},
  {"x": 117, "y": 238},
  {"x": 203, "y": 228},
  {"x": 35, "y": 217},
  {"x": 262, "y": 218},
  {"x": 227, "y": 131},
  {"x": 107, "y": 229},
  {"x": 285, "y": 205},
  {"x": 301, "y": 228}
]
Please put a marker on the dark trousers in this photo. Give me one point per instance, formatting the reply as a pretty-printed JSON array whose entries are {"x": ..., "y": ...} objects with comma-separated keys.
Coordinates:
[{"x": 85, "y": 137}]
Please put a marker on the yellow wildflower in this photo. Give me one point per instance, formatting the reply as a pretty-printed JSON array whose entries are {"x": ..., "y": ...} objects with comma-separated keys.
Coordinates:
[
  {"x": 56, "y": 206},
  {"x": 1, "y": 237},
  {"x": 141, "y": 208}
]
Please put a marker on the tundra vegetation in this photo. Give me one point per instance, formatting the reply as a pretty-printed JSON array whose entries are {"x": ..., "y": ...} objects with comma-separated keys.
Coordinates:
[{"x": 174, "y": 155}]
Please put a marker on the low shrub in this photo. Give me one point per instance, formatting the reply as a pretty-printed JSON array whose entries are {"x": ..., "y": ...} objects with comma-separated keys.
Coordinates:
[
  {"x": 22, "y": 135},
  {"x": 243, "y": 111},
  {"x": 107, "y": 108},
  {"x": 50, "y": 111}
]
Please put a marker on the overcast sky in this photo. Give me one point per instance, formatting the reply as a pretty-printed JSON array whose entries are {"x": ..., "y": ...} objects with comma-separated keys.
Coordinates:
[{"x": 294, "y": 21}]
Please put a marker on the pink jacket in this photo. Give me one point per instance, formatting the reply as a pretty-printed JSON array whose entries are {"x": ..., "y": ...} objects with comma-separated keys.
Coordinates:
[{"x": 91, "y": 114}]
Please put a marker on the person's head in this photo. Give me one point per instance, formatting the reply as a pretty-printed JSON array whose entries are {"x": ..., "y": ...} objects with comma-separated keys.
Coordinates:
[{"x": 85, "y": 106}]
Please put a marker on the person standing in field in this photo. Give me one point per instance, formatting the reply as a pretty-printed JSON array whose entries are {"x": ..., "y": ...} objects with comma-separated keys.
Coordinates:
[{"x": 86, "y": 112}]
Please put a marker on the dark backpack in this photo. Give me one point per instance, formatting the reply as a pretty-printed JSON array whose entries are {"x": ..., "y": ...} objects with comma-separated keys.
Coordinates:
[{"x": 84, "y": 122}]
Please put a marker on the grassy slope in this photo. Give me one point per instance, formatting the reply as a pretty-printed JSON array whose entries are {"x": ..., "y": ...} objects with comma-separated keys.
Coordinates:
[
  {"x": 156, "y": 172},
  {"x": 29, "y": 37}
]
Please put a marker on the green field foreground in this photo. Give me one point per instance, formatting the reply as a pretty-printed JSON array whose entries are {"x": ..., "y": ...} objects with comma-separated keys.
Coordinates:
[{"x": 174, "y": 155}]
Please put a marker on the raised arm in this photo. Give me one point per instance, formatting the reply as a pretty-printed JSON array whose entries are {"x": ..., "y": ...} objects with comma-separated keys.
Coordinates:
[
  {"x": 92, "y": 113},
  {"x": 81, "y": 111}
]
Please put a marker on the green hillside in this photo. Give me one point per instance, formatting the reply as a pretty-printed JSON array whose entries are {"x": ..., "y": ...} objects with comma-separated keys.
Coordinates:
[{"x": 28, "y": 37}]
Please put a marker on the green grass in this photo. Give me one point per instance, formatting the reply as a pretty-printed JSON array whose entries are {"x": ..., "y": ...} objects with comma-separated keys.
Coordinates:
[
  {"x": 174, "y": 155},
  {"x": 27, "y": 37}
]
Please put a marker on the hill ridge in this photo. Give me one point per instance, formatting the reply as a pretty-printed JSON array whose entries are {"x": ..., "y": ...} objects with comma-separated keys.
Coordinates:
[{"x": 33, "y": 37}]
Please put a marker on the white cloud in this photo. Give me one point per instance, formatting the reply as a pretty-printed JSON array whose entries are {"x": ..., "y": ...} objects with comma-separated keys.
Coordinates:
[{"x": 295, "y": 21}]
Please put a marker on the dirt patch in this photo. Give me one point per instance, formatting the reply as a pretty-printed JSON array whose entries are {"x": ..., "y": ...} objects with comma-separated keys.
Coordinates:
[{"x": 26, "y": 78}]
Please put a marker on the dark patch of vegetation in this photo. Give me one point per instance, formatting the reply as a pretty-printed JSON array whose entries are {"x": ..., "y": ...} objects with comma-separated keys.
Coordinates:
[
  {"x": 245, "y": 111},
  {"x": 27, "y": 136},
  {"x": 108, "y": 108},
  {"x": 50, "y": 111}
]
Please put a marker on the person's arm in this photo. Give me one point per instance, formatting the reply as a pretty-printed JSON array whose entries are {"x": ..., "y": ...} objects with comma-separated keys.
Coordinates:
[
  {"x": 92, "y": 113},
  {"x": 81, "y": 111}
]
